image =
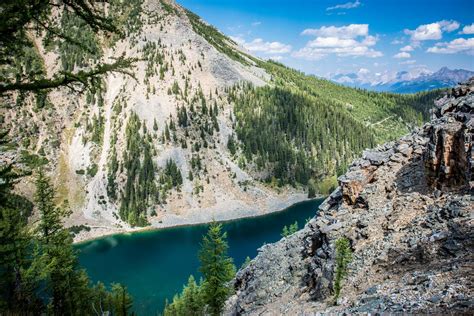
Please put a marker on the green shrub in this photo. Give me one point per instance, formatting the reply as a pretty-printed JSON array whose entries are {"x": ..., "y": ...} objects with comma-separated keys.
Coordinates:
[
  {"x": 92, "y": 170},
  {"x": 33, "y": 160},
  {"x": 287, "y": 231},
  {"x": 328, "y": 185},
  {"x": 343, "y": 258},
  {"x": 76, "y": 229},
  {"x": 312, "y": 188}
]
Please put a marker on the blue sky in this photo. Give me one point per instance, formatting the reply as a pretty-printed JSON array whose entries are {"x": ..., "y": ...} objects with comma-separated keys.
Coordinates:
[{"x": 372, "y": 38}]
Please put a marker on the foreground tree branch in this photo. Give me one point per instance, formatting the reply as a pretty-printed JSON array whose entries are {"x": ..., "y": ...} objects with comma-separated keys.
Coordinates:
[{"x": 122, "y": 65}]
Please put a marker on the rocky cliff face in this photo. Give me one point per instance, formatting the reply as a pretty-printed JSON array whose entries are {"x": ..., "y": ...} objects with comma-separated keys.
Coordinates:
[{"x": 406, "y": 208}]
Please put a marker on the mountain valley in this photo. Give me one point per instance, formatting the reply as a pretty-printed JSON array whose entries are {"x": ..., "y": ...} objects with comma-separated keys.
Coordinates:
[{"x": 188, "y": 135}]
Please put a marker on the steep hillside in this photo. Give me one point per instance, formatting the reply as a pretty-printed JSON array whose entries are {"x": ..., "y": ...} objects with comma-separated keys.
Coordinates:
[
  {"x": 396, "y": 236},
  {"x": 183, "y": 136}
]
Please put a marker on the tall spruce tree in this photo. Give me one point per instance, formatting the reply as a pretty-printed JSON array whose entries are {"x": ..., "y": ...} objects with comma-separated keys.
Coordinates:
[
  {"x": 209, "y": 296},
  {"x": 67, "y": 287},
  {"x": 57, "y": 252},
  {"x": 217, "y": 268},
  {"x": 16, "y": 282}
]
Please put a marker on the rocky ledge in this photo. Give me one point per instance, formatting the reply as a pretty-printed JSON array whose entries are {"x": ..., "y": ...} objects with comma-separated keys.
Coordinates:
[{"x": 407, "y": 209}]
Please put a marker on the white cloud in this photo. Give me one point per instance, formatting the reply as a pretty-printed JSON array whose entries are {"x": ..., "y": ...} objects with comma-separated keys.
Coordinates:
[
  {"x": 370, "y": 40},
  {"x": 459, "y": 45},
  {"x": 349, "y": 40},
  {"x": 402, "y": 55},
  {"x": 408, "y": 62},
  {"x": 309, "y": 54},
  {"x": 332, "y": 42},
  {"x": 259, "y": 45},
  {"x": 449, "y": 26},
  {"x": 432, "y": 31},
  {"x": 468, "y": 29},
  {"x": 256, "y": 23},
  {"x": 407, "y": 48},
  {"x": 348, "y": 5},
  {"x": 425, "y": 32},
  {"x": 276, "y": 58},
  {"x": 363, "y": 72},
  {"x": 348, "y": 31},
  {"x": 318, "y": 53},
  {"x": 396, "y": 42}
]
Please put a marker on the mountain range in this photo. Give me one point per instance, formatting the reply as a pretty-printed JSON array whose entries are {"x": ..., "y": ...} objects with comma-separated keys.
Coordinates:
[
  {"x": 405, "y": 81},
  {"x": 198, "y": 129}
]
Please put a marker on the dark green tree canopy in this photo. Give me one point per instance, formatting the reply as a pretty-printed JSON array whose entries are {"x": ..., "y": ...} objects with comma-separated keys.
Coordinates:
[{"x": 22, "y": 19}]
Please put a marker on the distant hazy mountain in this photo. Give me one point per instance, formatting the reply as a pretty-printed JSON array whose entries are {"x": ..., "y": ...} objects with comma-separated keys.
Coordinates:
[
  {"x": 406, "y": 82},
  {"x": 443, "y": 78}
]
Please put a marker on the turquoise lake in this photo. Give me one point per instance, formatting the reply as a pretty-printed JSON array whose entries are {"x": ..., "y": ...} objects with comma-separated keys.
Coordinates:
[{"x": 155, "y": 264}]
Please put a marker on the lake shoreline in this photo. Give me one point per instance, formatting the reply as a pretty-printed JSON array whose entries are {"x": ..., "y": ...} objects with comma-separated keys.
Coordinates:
[{"x": 191, "y": 219}]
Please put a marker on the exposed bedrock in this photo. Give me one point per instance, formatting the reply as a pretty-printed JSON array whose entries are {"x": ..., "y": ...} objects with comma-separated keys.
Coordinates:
[{"x": 407, "y": 208}]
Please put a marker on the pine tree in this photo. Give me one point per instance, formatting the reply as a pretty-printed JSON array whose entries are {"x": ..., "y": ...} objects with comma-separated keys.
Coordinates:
[
  {"x": 189, "y": 303},
  {"x": 121, "y": 300},
  {"x": 192, "y": 298},
  {"x": 312, "y": 186},
  {"x": 216, "y": 267},
  {"x": 167, "y": 135},
  {"x": 216, "y": 111},
  {"x": 39, "y": 272},
  {"x": 231, "y": 145},
  {"x": 17, "y": 283},
  {"x": 246, "y": 262},
  {"x": 287, "y": 231},
  {"x": 66, "y": 286},
  {"x": 50, "y": 215},
  {"x": 57, "y": 252}
]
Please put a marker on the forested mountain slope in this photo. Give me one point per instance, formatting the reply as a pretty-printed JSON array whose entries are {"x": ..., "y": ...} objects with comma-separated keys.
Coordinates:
[{"x": 196, "y": 129}]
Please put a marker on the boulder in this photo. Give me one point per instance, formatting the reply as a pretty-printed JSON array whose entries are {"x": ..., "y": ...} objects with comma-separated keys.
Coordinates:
[
  {"x": 353, "y": 183},
  {"x": 376, "y": 158}
]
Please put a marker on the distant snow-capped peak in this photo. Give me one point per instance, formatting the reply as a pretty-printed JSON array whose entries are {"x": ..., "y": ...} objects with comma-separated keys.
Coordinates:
[{"x": 412, "y": 80}]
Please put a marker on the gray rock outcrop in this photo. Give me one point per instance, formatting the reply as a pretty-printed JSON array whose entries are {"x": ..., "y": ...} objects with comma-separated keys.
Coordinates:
[
  {"x": 407, "y": 208},
  {"x": 450, "y": 155}
]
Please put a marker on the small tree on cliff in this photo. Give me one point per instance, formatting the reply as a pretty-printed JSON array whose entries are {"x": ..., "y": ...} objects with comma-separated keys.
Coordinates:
[
  {"x": 217, "y": 268},
  {"x": 343, "y": 258}
]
